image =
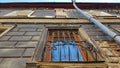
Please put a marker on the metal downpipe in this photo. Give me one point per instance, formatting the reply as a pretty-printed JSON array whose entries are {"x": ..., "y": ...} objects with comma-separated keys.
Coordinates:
[{"x": 107, "y": 31}]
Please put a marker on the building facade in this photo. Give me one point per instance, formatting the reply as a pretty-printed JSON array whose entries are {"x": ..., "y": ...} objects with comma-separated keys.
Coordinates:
[{"x": 56, "y": 36}]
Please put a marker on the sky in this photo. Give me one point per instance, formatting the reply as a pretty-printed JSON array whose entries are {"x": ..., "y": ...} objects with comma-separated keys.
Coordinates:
[{"x": 106, "y": 1}]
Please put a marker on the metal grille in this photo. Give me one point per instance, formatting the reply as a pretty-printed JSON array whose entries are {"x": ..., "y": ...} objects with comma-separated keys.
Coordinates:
[{"x": 64, "y": 46}]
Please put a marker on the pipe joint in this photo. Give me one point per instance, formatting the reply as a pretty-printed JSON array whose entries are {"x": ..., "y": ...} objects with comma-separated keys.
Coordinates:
[
  {"x": 115, "y": 36},
  {"x": 90, "y": 18}
]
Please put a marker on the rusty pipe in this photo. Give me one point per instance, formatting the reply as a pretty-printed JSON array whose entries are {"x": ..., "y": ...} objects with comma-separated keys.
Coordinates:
[{"x": 106, "y": 30}]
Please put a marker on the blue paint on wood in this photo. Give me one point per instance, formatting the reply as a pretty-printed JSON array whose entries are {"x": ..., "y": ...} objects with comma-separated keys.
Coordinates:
[
  {"x": 73, "y": 53},
  {"x": 56, "y": 52},
  {"x": 66, "y": 51},
  {"x": 80, "y": 55}
]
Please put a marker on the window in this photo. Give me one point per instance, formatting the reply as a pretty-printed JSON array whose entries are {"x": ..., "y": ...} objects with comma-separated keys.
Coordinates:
[{"x": 65, "y": 45}]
